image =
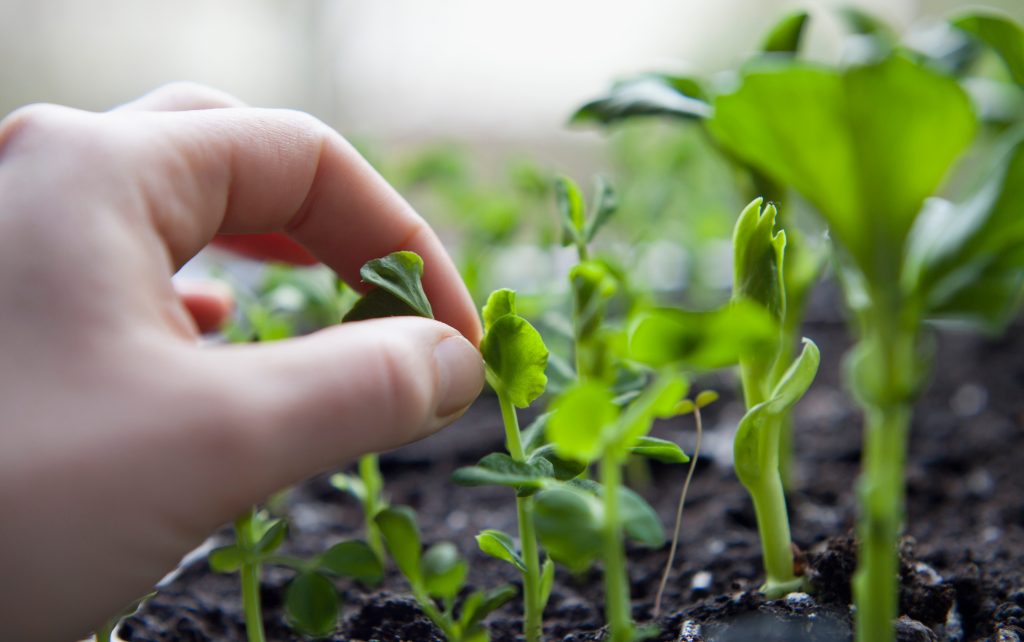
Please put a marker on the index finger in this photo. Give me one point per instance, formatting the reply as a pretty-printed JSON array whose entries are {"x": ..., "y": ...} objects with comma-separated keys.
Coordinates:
[{"x": 258, "y": 171}]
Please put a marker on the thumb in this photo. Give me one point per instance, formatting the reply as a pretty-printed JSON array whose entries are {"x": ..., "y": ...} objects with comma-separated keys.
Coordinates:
[{"x": 316, "y": 402}]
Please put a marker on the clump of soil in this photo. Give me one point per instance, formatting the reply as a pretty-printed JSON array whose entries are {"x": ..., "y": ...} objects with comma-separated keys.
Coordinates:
[{"x": 962, "y": 573}]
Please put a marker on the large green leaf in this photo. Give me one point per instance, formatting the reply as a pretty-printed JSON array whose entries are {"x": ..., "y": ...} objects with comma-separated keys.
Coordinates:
[
  {"x": 581, "y": 418},
  {"x": 402, "y": 537},
  {"x": 1002, "y": 34},
  {"x": 966, "y": 261},
  {"x": 701, "y": 340},
  {"x": 498, "y": 469},
  {"x": 312, "y": 604},
  {"x": 499, "y": 303},
  {"x": 648, "y": 95},
  {"x": 399, "y": 288},
  {"x": 568, "y": 523},
  {"x": 354, "y": 559},
  {"x": 516, "y": 357},
  {"x": 865, "y": 145}
]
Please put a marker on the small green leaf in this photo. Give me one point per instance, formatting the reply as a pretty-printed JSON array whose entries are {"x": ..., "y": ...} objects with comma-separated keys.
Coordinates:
[
  {"x": 352, "y": 558},
  {"x": 516, "y": 357},
  {"x": 569, "y": 526},
  {"x": 547, "y": 581},
  {"x": 563, "y": 469},
  {"x": 350, "y": 484},
  {"x": 226, "y": 559},
  {"x": 661, "y": 450},
  {"x": 592, "y": 286},
  {"x": 444, "y": 572},
  {"x": 605, "y": 202},
  {"x": 499, "y": 303},
  {"x": 570, "y": 205},
  {"x": 701, "y": 340},
  {"x": 398, "y": 278},
  {"x": 658, "y": 401},
  {"x": 533, "y": 435},
  {"x": 706, "y": 398},
  {"x": 648, "y": 95},
  {"x": 639, "y": 520},
  {"x": 273, "y": 537},
  {"x": 1004, "y": 36},
  {"x": 311, "y": 603},
  {"x": 786, "y": 35},
  {"x": 796, "y": 380},
  {"x": 480, "y": 604},
  {"x": 402, "y": 536},
  {"x": 500, "y": 545},
  {"x": 581, "y": 418},
  {"x": 758, "y": 256},
  {"x": 499, "y": 469}
]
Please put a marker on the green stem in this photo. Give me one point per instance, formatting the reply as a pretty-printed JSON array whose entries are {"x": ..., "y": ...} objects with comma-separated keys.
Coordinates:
[
  {"x": 369, "y": 472},
  {"x": 875, "y": 585},
  {"x": 773, "y": 522},
  {"x": 616, "y": 582},
  {"x": 430, "y": 609},
  {"x": 106, "y": 632},
  {"x": 532, "y": 607},
  {"x": 250, "y": 587}
]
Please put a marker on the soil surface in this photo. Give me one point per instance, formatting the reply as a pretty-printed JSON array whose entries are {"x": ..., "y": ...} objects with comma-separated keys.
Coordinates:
[{"x": 963, "y": 552}]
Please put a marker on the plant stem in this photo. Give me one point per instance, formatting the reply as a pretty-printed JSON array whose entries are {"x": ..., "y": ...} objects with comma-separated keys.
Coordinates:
[
  {"x": 250, "y": 587},
  {"x": 106, "y": 632},
  {"x": 616, "y": 582},
  {"x": 532, "y": 608},
  {"x": 369, "y": 472},
  {"x": 772, "y": 520}
]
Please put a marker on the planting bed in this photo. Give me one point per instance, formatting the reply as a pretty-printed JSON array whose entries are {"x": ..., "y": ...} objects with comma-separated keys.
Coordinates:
[{"x": 963, "y": 576}]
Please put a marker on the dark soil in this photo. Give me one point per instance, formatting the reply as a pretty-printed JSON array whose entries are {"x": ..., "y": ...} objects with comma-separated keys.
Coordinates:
[{"x": 963, "y": 553}]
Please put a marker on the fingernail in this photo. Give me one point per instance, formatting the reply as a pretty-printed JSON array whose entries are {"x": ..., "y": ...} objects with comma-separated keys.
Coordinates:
[{"x": 460, "y": 372}]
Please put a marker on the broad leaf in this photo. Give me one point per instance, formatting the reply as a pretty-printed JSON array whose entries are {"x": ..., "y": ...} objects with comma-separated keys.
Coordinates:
[
  {"x": 786, "y": 35},
  {"x": 701, "y": 340},
  {"x": 398, "y": 279},
  {"x": 648, "y": 95},
  {"x": 226, "y": 559},
  {"x": 402, "y": 537},
  {"x": 865, "y": 145},
  {"x": 563, "y": 469},
  {"x": 499, "y": 469},
  {"x": 658, "y": 401},
  {"x": 516, "y": 357},
  {"x": 1002, "y": 34},
  {"x": 640, "y": 521},
  {"x": 500, "y": 545},
  {"x": 569, "y": 526},
  {"x": 966, "y": 261},
  {"x": 581, "y": 418},
  {"x": 499, "y": 303},
  {"x": 444, "y": 572},
  {"x": 311, "y": 603},
  {"x": 661, "y": 450},
  {"x": 353, "y": 559}
]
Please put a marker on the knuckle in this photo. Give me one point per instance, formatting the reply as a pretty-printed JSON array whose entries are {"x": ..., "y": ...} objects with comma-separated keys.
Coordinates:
[
  {"x": 193, "y": 95},
  {"x": 32, "y": 122}
]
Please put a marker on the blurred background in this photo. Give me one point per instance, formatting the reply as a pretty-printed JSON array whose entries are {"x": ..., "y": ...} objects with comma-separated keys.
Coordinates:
[{"x": 462, "y": 104}]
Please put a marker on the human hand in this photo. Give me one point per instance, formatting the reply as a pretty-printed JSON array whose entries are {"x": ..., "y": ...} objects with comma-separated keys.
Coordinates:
[{"x": 123, "y": 444}]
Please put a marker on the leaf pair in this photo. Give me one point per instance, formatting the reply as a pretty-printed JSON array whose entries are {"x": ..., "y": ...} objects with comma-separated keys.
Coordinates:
[
  {"x": 579, "y": 228},
  {"x": 513, "y": 351}
]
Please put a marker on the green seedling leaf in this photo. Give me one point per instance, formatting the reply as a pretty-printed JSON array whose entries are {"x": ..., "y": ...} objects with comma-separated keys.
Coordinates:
[
  {"x": 226, "y": 559},
  {"x": 752, "y": 436},
  {"x": 562, "y": 469},
  {"x": 533, "y": 435},
  {"x": 444, "y": 572},
  {"x": 701, "y": 340},
  {"x": 592, "y": 286},
  {"x": 1004, "y": 36},
  {"x": 273, "y": 537},
  {"x": 605, "y": 202},
  {"x": 658, "y": 401},
  {"x": 786, "y": 35},
  {"x": 547, "y": 581},
  {"x": 661, "y": 450},
  {"x": 966, "y": 261},
  {"x": 758, "y": 255},
  {"x": 402, "y": 537},
  {"x": 499, "y": 303},
  {"x": 399, "y": 288},
  {"x": 638, "y": 520},
  {"x": 865, "y": 145},
  {"x": 706, "y": 398},
  {"x": 648, "y": 95},
  {"x": 581, "y": 418},
  {"x": 480, "y": 604},
  {"x": 350, "y": 484},
  {"x": 499, "y": 469},
  {"x": 516, "y": 357},
  {"x": 570, "y": 205},
  {"x": 569, "y": 526},
  {"x": 311, "y": 603},
  {"x": 500, "y": 545},
  {"x": 353, "y": 559}
]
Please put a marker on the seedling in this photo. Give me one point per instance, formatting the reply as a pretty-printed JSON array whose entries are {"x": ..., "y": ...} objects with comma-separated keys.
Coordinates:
[
  {"x": 398, "y": 291},
  {"x": 866, "y": 146},
  {"x": 772, "y": 384},
  {"x": 438, "y": 574},
  {"x": 311, "y": 601}
]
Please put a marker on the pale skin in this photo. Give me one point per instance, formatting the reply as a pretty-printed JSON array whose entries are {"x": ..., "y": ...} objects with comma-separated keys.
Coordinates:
[{"x": 123, "y": 443}]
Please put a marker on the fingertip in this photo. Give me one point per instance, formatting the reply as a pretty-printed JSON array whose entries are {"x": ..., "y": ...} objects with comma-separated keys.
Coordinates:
[{"x": 460, "y": 376}]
